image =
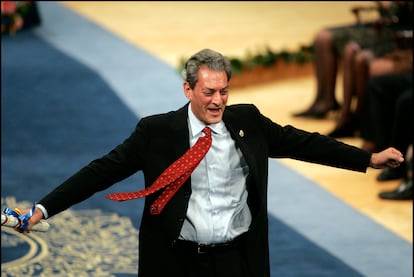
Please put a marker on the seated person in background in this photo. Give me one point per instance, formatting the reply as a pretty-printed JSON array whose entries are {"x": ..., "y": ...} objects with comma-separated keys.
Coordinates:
[
  {"x": 358, "y": 66},
  {"x": 329, "y": 46},
  {"x": 389, "y": 106},
  {"x": 402, "y": 135}
]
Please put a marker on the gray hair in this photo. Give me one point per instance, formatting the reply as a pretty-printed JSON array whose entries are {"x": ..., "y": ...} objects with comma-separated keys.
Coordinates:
[{"x": 212, "y": 59}]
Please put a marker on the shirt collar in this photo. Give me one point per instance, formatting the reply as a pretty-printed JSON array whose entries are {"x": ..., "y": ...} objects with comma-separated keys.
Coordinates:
[{"x": 197, "y": 126}]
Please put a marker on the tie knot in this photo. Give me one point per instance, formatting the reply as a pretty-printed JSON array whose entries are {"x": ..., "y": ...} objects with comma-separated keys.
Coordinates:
[{"x": 207, "y": 131}]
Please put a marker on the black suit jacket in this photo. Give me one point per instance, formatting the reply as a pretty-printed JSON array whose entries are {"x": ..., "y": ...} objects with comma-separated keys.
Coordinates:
[{"x": 159, "y": 140}]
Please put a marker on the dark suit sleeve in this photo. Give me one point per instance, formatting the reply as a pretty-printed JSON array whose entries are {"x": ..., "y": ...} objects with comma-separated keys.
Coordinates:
[
  {"x": 120, "y": 163},
  {"x": 317, "y": 148},
  {"x": 290, "y": 142}
]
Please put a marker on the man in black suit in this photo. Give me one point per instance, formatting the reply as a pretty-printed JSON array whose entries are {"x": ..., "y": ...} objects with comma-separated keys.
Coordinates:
[{"x": 216, "y": 223}]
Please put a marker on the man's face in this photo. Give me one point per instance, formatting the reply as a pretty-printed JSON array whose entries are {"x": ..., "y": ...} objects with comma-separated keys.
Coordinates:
[{"x": 209, "y": 96}]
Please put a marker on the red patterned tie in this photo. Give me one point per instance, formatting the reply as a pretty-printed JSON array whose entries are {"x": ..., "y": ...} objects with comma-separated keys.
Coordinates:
[{"x": 173, "y": 177}]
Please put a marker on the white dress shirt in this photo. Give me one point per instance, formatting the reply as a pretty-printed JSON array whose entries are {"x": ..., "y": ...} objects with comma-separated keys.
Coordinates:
[{"x": 217, "y": 210}]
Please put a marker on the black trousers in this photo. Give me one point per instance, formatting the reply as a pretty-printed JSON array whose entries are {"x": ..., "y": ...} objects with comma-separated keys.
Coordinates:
[
  {"x": 227, "y": 261},
  {"x": 383, "y": 121}
]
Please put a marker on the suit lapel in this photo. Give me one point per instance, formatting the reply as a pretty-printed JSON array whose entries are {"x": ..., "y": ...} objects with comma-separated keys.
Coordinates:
[
  {"x": 180, "y": 137},
  {"x": 239, "y": 134}
]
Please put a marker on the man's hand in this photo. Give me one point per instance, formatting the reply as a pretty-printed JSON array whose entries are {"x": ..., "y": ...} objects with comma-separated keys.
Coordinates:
[
  {"x": 389, "y": 157},
  {"x": 34, "y": 219}
]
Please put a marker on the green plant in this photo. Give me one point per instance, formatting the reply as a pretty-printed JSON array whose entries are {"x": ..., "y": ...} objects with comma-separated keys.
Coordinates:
[{"x": 265, "y": 58}]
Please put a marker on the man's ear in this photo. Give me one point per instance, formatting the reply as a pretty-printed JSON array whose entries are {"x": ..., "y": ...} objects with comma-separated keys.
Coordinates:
[{"x": 187, "y": 90}]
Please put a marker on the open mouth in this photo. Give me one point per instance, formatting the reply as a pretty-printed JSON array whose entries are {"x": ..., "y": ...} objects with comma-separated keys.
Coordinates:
[{"x": 214, "y": 111}]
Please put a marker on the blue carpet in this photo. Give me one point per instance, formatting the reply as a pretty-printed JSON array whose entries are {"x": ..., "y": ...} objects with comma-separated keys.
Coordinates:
[{"x": 66, "y": 102}]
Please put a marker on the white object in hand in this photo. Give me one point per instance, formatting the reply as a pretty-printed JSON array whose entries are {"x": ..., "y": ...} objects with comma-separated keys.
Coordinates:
[{"x": 13, "y": 222}]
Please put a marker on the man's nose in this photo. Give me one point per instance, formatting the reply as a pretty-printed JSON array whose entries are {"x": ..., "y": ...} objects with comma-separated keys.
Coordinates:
[{"x": 216, "y": 98}]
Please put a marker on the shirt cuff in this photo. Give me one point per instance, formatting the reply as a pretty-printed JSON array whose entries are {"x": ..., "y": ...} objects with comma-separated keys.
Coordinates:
[{"x": 45, "y": 215}]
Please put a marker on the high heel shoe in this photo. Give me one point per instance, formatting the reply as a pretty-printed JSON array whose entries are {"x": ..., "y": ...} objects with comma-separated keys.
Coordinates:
[
  {"x": 344, "y": 131},
  {"x": 314, "y": 113},
  {"x": 347, "y": 129},
  {"x": 335, "y": 106},
  {"x": 311, "y": 113}
]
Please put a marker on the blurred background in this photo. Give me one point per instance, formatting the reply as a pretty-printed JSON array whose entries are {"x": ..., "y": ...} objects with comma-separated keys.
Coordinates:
[{"x": 171, "y": 31}]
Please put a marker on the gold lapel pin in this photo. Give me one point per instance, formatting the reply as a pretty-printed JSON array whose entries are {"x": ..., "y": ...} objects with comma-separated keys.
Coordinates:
[{"x": 241, "y": 133}]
